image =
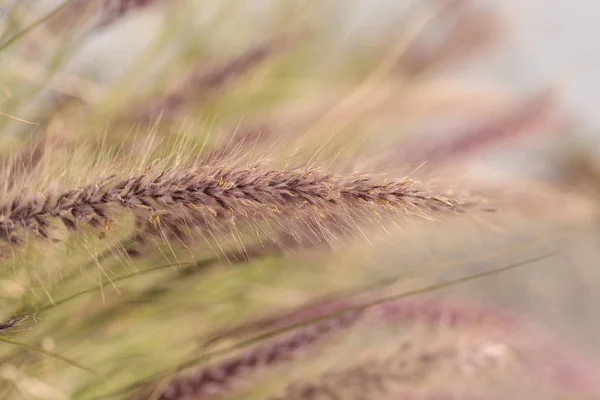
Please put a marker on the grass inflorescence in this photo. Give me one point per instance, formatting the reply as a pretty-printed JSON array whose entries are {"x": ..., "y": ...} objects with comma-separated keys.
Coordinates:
[{"x": 215, "y": 192}]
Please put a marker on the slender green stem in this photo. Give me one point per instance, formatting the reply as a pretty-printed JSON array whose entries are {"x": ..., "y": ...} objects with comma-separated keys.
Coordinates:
[
  {"x": 33, "y": 25},
  {"x": 56, "y": 356}
]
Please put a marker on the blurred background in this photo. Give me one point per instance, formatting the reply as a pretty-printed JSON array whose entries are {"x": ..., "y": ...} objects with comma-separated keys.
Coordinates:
[
  {"x": 494, "y": 97},
  {"x": 539, "y": 46}
]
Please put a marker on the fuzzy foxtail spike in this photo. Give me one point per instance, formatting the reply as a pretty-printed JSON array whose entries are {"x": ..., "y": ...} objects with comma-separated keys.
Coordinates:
[{"x": 211, "y": 194}]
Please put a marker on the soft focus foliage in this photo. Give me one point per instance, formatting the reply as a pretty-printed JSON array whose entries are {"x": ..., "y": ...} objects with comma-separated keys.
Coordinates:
[{"x": 259, "y": 200}]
